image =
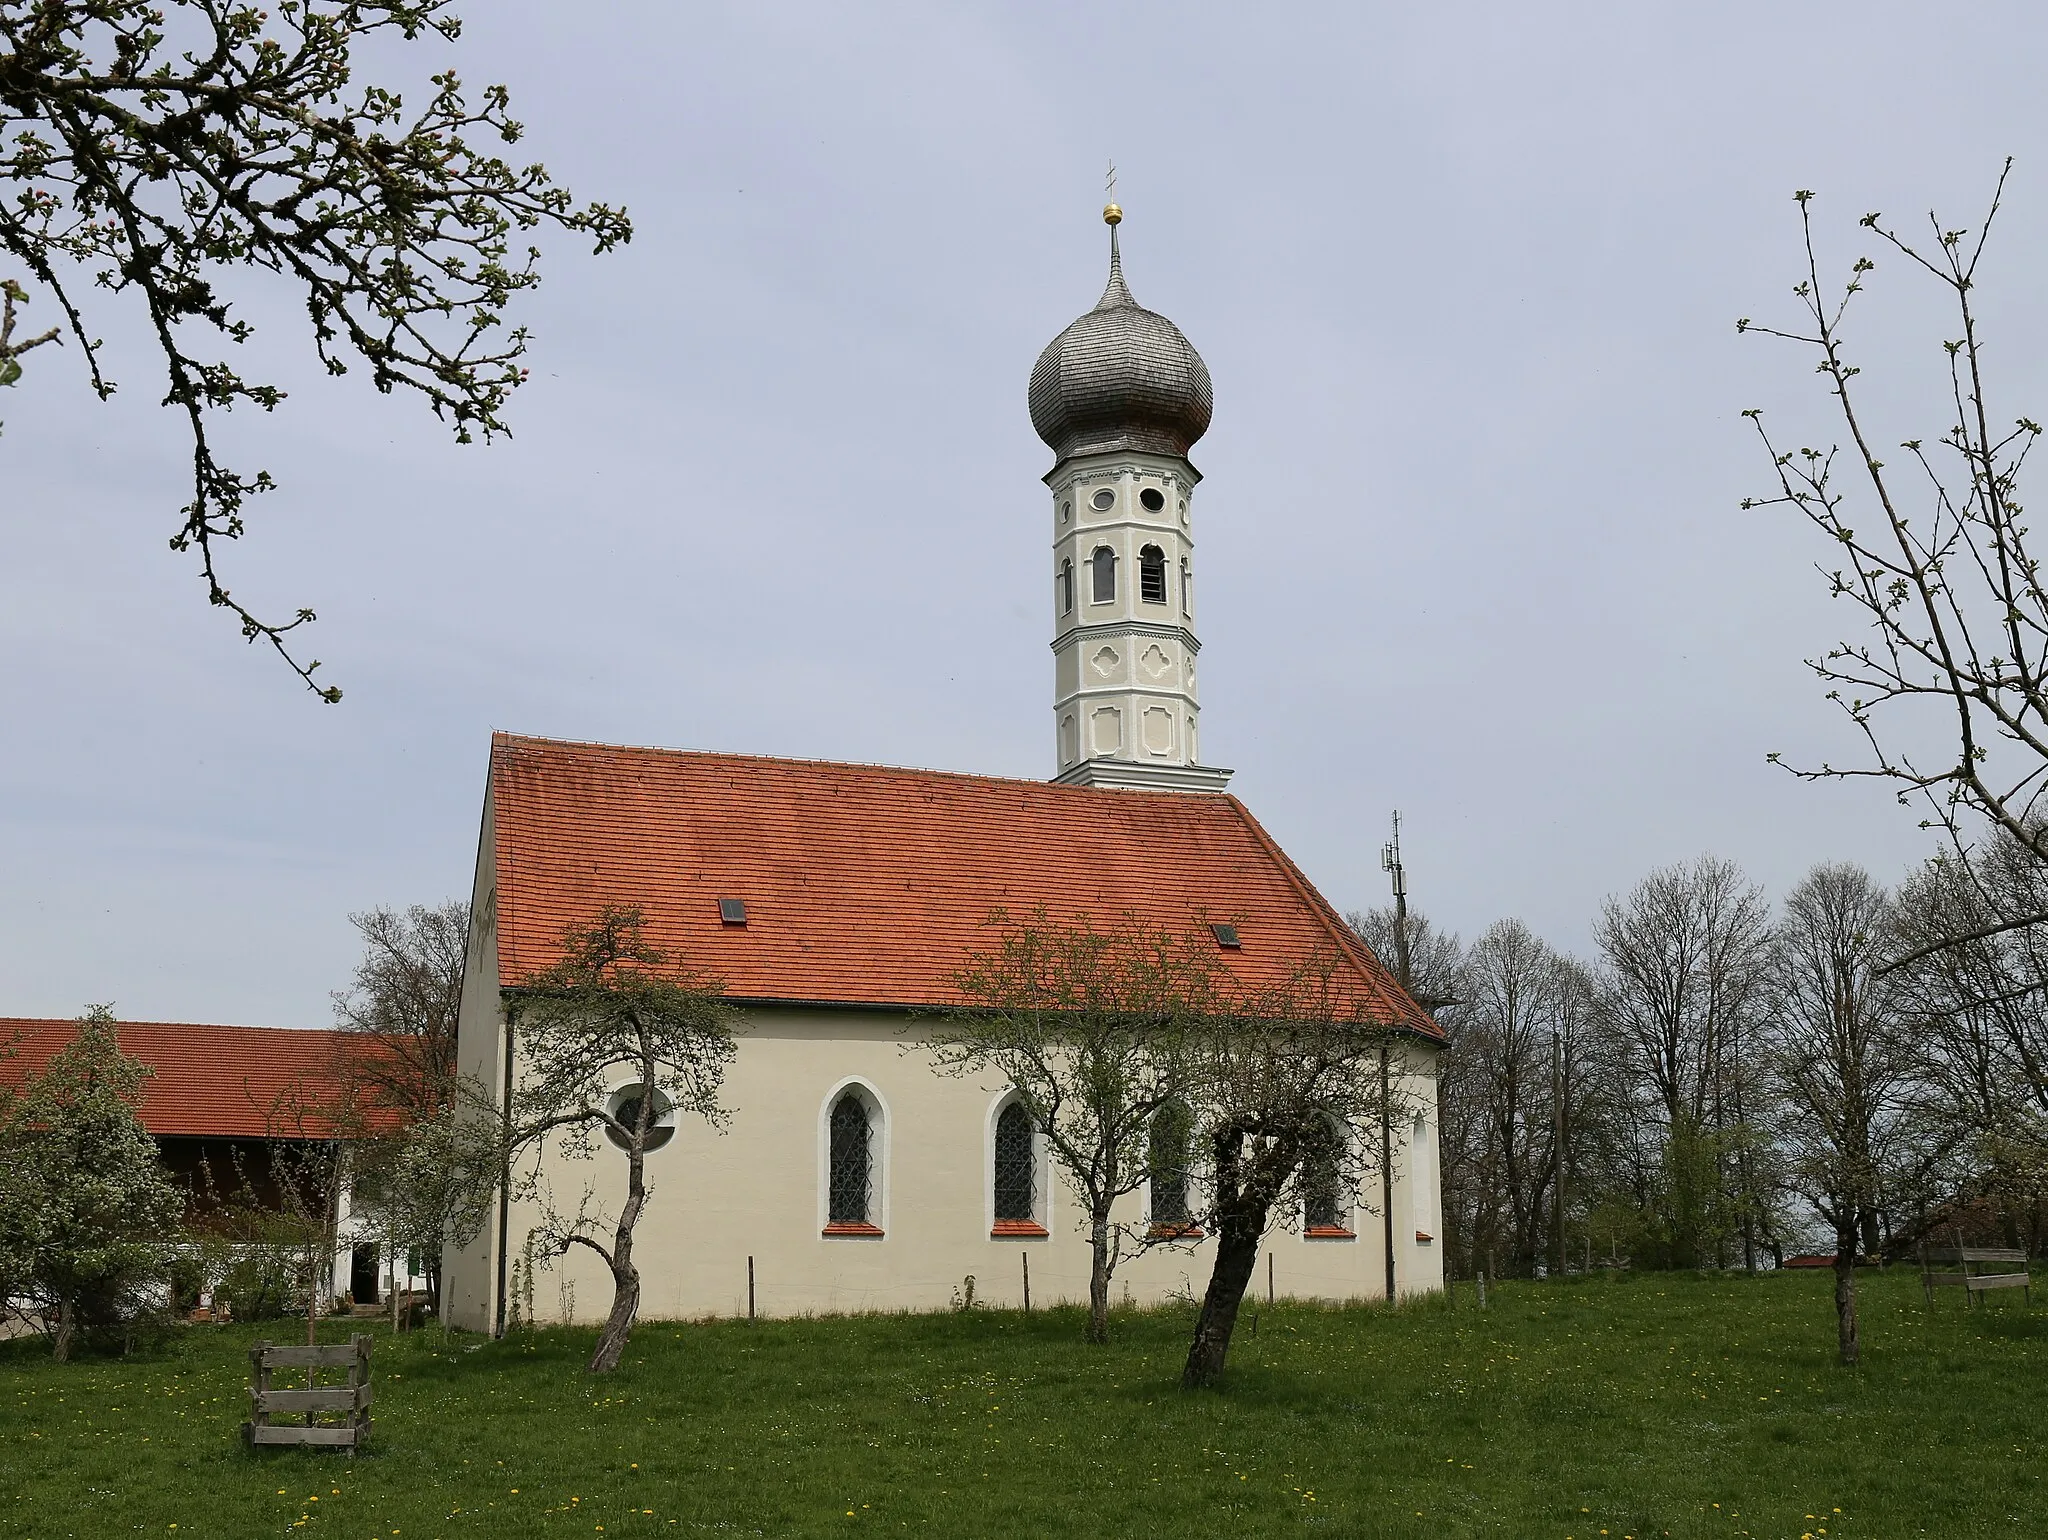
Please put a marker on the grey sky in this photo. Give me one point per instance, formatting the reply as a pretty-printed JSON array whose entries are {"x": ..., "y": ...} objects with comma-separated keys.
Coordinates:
[{"x": 1465, "y": 277}]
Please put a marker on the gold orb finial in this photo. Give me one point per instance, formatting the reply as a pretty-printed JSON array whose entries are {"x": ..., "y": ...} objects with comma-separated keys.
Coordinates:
[{"x": 1111, "y": 214}]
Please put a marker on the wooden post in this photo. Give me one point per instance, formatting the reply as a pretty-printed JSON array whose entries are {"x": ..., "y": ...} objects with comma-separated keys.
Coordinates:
[
  {"x": 750, "y": 1288},
  {"x": 1482, "y": 1288},
  {"x": 1387, "y": 1141},
  {"x": 358, "y": 1377},
  {"x": 259, "y": 1384},
  {"x": 1269, "y": 1277},
  {"x": 1027, "y": 1280}
]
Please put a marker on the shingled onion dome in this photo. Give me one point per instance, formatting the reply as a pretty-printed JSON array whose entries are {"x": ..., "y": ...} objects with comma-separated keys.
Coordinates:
[{"x": 1120, "y": 378}]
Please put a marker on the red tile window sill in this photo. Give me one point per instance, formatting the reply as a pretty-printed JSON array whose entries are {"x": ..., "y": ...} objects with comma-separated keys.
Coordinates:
[
  {"x": 1329, "y": 1233},
  {"x": 860, "y": 1230},
  {"x": 1186, "y": 1230},
  {"x": 1017, "y": 1229}
]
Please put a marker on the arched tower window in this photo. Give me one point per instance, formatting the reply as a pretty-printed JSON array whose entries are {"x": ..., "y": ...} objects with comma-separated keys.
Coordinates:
[
  {"x": 1016, "y": 1173},
  {"x": 1152, "y": 575},
  {"x": 1102, "y": 566},
  {"x": 1067, "y": 586},
  {"x": 1187, "y": 589},
  {"x": 1171, "y": 1142},
  {"x": 1323, "y": 1211},
  {"x": 850, "y": 1179}
]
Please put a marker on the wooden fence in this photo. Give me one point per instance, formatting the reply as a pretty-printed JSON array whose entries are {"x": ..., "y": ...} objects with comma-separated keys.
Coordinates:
[
  {"x": 306, "y": 1403},
  {"x": 2012, "y": 1272}
]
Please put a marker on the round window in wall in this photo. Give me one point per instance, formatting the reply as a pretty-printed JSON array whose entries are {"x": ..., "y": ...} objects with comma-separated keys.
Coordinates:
[
  {"x": 1066, "y": 512},
  {"x": 625, "y": 1108},
  {"x": 1103, "y": 501},
  {"x": 1153, "y": 499}
]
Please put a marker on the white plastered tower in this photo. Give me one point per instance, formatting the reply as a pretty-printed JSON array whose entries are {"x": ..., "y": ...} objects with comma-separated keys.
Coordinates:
[{"x": 1121, "y": 396}]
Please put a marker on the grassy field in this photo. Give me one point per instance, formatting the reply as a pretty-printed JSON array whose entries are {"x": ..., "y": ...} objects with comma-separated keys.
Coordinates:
[{"x": 1626, "y": 1408}]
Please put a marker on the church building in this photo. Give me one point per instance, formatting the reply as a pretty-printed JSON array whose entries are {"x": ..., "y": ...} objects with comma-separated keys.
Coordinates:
[{"x": 837, "y": 902}]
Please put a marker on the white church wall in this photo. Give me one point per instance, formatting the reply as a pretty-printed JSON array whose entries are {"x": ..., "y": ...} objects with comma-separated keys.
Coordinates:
[
  {"x": 469, "y": 1273},
  {"x": 758, "y": 1190}
]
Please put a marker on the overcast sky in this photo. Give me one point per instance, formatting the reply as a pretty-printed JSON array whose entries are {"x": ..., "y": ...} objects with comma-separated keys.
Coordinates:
[{"x": 1465, "y": 277}]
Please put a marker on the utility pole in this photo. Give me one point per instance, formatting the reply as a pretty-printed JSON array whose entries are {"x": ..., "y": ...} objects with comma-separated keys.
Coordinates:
[
  {"x": 1557, "y": 1143},
  {"x": 1390, "y": 862}
]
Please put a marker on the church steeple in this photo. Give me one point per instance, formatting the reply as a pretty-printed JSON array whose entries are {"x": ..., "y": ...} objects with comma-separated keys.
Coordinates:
[{"x": 1121, "y": 396}]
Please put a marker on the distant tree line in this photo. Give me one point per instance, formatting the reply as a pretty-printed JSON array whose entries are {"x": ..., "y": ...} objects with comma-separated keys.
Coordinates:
[{"x": 1723, "y": 1084}]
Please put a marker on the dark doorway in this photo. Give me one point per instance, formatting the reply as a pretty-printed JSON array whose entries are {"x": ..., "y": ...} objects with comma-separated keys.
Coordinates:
[{"x": 362, "y": 1274}]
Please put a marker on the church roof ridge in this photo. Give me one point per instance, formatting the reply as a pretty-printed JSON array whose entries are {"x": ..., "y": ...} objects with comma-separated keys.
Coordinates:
[{"x": 800, "y": 761}]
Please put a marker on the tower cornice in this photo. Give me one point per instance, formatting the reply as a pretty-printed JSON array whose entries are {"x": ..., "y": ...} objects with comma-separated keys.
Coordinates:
[
  {"x": 1154, "y": 628},
  {"x": 1120, "y": 464}
]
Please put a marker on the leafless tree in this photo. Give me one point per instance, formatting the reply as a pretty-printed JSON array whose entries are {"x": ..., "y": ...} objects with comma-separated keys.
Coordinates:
[
  {"x": 1522, "y": 1031},
  {"x": 404, "y": 1000},
  {"x": 1841, "y": 1061},
  {"x": 1934, "y": 558},
  {"x": 423, "y": 1146},
  {"x": 1980, "y": 1016},
  {"x": 1685, "y": 956},
  {"x": 1090, "y": 1025}
]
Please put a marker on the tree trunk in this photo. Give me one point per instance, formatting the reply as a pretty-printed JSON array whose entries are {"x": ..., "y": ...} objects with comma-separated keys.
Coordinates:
[
  {"x": 1098, "y": 1279},
  {"x": 67, "y": 1323},
  {"x": 1845, "y": 1293},
  {"x": 618, "y": 1326},
  {"x": 1237, "y": 1254}
]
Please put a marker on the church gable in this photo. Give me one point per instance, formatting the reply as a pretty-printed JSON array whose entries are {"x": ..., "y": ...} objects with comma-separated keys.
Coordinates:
[{"x": 869, "y": 885}]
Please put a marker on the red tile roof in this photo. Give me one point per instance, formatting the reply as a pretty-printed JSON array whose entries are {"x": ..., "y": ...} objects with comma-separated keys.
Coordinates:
[
  {"x": 871, "y": 885},
  {"x": 209, "y": 1082}
]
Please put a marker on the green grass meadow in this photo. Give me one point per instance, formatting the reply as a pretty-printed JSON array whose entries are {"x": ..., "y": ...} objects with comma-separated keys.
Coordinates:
[{"x": 1628, "y": 1408}]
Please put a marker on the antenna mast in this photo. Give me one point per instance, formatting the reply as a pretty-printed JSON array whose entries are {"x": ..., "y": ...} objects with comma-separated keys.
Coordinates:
[{"x": 1390, "y": 863}]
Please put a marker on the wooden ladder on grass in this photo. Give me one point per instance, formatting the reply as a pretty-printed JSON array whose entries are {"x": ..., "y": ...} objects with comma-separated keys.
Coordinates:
[{"x": 305, "y": 1404}]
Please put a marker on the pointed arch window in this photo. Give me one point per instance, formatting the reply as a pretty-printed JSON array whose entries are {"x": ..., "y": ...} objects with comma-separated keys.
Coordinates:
[
  {"x": 1169, "y": 1156},
  {"x": 1102, "y": 575},
  {"x": 1067, "y": 586},
  {"x": 1324, "y": 1213},
  {"x": 850, "y": 1207},
  {"x": 1015, "y": 1174},
  {"x": 1152, "y": 575}
]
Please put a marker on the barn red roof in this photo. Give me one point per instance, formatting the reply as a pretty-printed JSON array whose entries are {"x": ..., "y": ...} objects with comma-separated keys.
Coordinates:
[
  {"x": 870, "y": 885},
  {"x": 209, "y": 1082}
]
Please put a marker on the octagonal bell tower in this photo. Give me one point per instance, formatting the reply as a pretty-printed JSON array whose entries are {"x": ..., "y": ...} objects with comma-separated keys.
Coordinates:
[{"x": 1120, "y": 397}]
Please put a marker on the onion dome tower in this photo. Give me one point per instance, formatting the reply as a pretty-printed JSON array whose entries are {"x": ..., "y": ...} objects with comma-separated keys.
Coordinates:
[{"x": 1120, "y": 397}]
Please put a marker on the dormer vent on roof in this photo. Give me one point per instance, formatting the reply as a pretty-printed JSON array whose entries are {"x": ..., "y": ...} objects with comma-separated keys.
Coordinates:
[{"x": 732, "y": 911}]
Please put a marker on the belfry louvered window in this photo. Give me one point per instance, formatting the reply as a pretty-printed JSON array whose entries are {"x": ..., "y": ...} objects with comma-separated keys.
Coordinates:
[
  {"x": 1102, "y": 571},
  {"x": 1016, "y": 1173},
  {"x": 1172, "y": 1135},
  {"x": 851, "y": 1197},
  {"x": 1152, "y": 575}
]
